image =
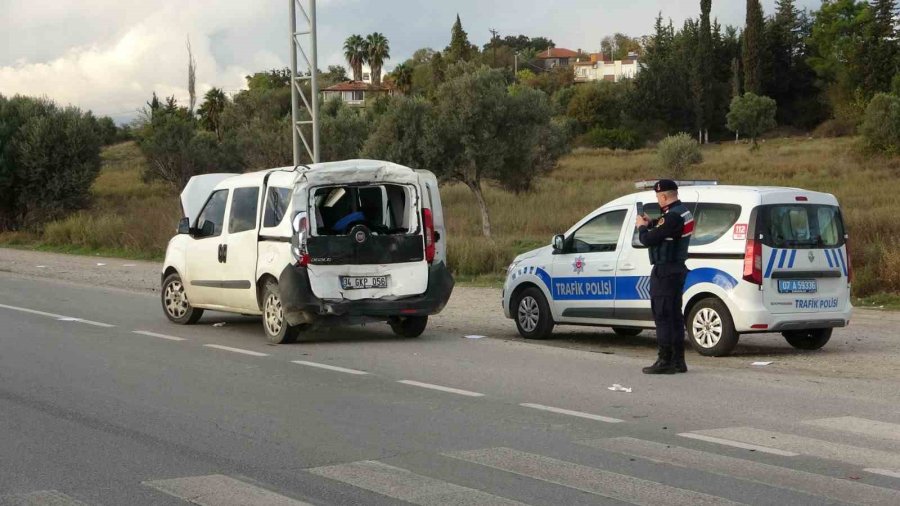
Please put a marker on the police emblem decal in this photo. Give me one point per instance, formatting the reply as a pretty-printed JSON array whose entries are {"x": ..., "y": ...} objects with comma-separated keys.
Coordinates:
[
  {"x": 578, "y": 265},
  {"x": 811, "y": 256}
]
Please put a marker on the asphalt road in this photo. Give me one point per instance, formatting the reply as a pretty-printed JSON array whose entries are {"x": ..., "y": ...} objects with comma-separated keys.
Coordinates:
[{"x": 102, "y": 401}]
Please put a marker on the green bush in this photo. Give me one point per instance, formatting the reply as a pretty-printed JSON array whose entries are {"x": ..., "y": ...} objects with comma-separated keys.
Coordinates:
[
  {"x": 676, "y": 152},
  {"x": 881, "y": 124},
  {"x": 751, "y": 115},
  {"x": 612, "y": 138}
]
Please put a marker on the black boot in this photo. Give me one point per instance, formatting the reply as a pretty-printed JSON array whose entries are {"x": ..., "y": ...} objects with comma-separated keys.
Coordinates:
[
  {"x": 663, "y": 364},
  {"x": 678, "y": 359}
]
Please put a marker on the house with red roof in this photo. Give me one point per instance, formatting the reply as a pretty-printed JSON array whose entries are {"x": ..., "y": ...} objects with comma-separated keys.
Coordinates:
[
  {"x": 356, "y": 93},
  {"x": 556, "y": 57}
]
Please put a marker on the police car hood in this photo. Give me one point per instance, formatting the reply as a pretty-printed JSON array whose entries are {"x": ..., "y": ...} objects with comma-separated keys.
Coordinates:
[{"x": 533, "y": 254}]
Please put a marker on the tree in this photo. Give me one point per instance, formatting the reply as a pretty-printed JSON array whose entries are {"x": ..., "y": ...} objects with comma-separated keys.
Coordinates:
[
  {"x": 401, "y": 135},
  {"x": 676, "y": 153},
  {"x": 403, "y": 77},
  {"x": 378, "y": 49},
  {"x": 752, "y": 115},
  {"x": 836, "y": 53},
  {"x": 335, "y": 74},
  {"x": 356, "y": 53},
  {"x": 753, "y": 41},
  {"x": 880, "y": 47},
  {"x": 598, "y": 104},
  {"x": 460, "y": 49},
  {"x": 881, "y": 125},
  {"x": 701, "y": 78},
  {"x": 343, "y": 131},
  {"x": 210, "y": 112},
  {"x": 438, "y": 68},
  {"x": 192, "y": 78}
]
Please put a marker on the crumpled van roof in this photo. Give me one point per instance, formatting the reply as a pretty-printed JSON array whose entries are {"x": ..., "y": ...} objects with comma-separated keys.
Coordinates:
[{"x": 352, "y": 171}]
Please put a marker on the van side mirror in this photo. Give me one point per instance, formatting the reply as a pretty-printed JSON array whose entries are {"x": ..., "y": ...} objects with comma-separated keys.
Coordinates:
[
  {"x": 184, "y": 226},
  {"x": 559, "y": 243}
]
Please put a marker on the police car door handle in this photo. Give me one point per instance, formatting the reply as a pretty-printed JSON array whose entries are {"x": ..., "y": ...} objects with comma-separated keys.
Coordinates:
[
  {"x": 605, "y": 267},
  {"x": 627, "y": 267}
]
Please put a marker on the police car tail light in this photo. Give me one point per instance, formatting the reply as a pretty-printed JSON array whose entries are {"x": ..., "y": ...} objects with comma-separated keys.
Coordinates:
[
  {"x": 428, "y": 222},
  {"x": 753, "y": 261}
]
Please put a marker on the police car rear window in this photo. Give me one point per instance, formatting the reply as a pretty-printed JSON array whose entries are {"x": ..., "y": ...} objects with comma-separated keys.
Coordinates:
[{"x": 801, "y": 226}]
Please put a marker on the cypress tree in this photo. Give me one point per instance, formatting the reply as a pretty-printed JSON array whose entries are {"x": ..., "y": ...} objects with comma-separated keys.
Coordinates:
[
  {"x": 753, "y": 35},
  {"x": 460, "y": 49},
  {"x": 701, "y": 81},
  {"x": 880, "y": 49}
]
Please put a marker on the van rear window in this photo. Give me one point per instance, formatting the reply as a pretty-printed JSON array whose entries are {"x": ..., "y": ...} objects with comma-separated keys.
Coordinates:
[
  {"x": 383, "y": 209},
  {"x": 801, "y": 226}
]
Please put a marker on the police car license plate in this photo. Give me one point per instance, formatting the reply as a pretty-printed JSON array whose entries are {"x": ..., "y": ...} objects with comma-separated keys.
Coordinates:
[
  {"x": 797, "y": 286},
  {"x": 363, "y": 282}
]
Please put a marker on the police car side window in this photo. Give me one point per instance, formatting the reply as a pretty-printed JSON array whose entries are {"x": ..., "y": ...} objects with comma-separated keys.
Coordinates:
[
  {"x": 712, "y": 221},
  {"x": 599, "y": 234}
]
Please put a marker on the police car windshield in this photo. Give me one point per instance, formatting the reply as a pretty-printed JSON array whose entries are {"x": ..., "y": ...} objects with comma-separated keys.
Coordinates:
[{"x": 801, "y": 226}]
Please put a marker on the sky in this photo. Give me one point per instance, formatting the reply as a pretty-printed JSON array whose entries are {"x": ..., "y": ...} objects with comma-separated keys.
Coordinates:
[{"x": 109, "y": 56}]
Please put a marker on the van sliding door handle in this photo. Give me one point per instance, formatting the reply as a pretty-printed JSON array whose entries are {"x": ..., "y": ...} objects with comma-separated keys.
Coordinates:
[{"x": 627, "y": 267}]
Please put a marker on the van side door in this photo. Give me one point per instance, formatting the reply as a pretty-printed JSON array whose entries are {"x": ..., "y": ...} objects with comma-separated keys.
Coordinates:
[
  {"x": 203, "y": 256},
  {"x": 238, "y": 280}
]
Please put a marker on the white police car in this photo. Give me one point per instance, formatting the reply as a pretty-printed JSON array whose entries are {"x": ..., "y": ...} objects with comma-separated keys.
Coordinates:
[{"x": 762, "y": 259}]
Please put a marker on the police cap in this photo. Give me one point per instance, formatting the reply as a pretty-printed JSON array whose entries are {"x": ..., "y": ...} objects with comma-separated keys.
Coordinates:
[{"x": 665, "y": 185}]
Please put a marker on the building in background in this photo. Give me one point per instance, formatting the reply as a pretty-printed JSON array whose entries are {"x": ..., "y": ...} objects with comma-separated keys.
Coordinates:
[
  {"x": 556, "y": 57},
  {"x": 598, "y": 69},
  {"x": 356, "y": 93}
]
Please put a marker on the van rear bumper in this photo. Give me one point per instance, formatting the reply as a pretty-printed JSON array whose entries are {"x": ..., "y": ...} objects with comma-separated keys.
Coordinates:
[
  {"x": 750, "y": 322},
  {"x": 302, "y": 306}
]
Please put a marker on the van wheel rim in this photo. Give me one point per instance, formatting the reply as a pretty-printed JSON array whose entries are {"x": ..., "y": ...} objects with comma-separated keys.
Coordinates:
[
  {"x": 529, "y": 314},
  {"x": 176, "y": 300},
  {"x": 274, "y": 316},
  {"x": 707, "y": 327}
]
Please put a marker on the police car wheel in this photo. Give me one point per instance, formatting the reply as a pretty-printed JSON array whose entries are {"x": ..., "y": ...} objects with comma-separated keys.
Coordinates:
[
  {"x": 532, "y": 314},
  {"x": 812, "y": 339},
  {"x": 278, "y": 330},
  {"x": 627, "y": 331},
  {"x": 175, "y": 302},
  {"x": 711, "y": 328}
]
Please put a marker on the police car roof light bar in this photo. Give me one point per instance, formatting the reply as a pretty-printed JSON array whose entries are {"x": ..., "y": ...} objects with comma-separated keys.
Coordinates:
[{"x": 647, "y": 184}]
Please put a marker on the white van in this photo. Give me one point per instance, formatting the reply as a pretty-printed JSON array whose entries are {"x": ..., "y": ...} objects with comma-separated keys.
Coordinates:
[
  {"x": 342, "y": 242},
  {"x": 762, "y": 259}
]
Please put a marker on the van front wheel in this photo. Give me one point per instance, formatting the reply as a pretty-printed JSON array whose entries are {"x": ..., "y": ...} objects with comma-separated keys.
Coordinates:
[
  {"x": 812, "y": 339},
  {"x": 408, "y": 326},
  {"x": 711, "y": 328}
]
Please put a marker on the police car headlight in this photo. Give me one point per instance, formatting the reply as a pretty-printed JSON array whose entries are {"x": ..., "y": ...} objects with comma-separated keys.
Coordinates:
[{"x": 511, "y": 268}]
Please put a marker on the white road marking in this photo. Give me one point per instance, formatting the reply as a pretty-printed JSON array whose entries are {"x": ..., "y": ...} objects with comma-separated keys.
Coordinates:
[
  {"x": 738, "y": 444},
  {"x": 154, "y": 334},
  {"x": 58, "y": 317},
  {"x": 579, "y": 414},
  {"x": 884, "y": 472},
  {"x": 441, "y": 388},
  {"x": 236, "y": 350},
  {"x": 219, "y": 490},
  {"x": 824, "y": 486},
  {"x": 329, "y": 367},
  {"x": 588, "y": 479},
  {"x": 855, "y": 455},
  {"x": 405, "y": 485},
  {"x": 40, "y": 498},
  {"x": 874, "y": 428}
]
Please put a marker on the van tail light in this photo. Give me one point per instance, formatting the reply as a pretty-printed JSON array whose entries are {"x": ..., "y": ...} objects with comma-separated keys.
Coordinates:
[
  {"x": 428, "y": 222},
  {"x": 849, "y": 262},
  {"x": 301, "y": 228},
  {"x": 753, "y": 261}
]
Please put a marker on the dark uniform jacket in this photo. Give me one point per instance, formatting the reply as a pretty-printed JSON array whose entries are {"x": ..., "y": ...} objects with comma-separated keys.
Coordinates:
[{"x": 668, "y": 238}]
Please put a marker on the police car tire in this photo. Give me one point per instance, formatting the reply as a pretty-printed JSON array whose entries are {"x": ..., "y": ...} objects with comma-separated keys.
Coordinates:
[
  {"x": 287, "y": 333},
  {"x": 812, "y": 339},
  {"x": 191, "y": 315},
  {"x": 627, "y": 331},
  {"x": 729, "y": 337},
  {"x": 409, "y": 326},
  {"x": 544, "y": 327}
]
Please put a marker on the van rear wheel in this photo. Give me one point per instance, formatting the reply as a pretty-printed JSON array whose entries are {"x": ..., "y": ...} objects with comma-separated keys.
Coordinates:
[
  {"x": 711, "y": 328},
  {"x": 278, "y": 330},
  {"x": 811, "y": 339},
  {"x": 408, "y": 326}
]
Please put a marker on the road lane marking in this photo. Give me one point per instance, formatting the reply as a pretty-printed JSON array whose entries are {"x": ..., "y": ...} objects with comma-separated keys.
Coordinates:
[
  {"x": 588, "y": 479},
  {"x": 219, "y": 490},
  {"x": 154, "y": 334},
  {"x": 58, "y": 317},
  {"x": 738, "y": 444},
  {"x": 40, "y": 498},
  {"x": 236, "y": 350},
  {"x": 855, "y": 455},
  {"x": 405, "y": 485},
  {"x": 884, "y": 472},
  {"x": 329, "y": 367},
  {"x": 579, "y": 414},
  {"x": 874, "y": 428},
  {"x": 766, "y": 474},
  {"x": 441, "y": 388}
]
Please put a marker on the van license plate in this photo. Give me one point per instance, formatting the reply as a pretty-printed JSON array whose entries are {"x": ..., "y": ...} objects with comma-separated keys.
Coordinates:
[
  {"x": 363, "y": 282},
  {"x": 797, "y": 286}
]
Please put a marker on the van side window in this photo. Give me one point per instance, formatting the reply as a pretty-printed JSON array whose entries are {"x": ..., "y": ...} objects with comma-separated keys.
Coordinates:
[
  {"x": 212, "y": 217},
  {"x": 276, "y": 205},
  {"x": 243, "y": 210},
  {"x": 599, "y": 234},
  {"x": 712, "y": 221}
]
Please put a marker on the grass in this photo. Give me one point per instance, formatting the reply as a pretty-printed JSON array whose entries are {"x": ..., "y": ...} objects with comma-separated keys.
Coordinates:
[{"x": 133, "y": 219}]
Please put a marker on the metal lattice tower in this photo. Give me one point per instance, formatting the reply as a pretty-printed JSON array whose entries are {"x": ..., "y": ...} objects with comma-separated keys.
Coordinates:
[{"x": 307, "y": 33}]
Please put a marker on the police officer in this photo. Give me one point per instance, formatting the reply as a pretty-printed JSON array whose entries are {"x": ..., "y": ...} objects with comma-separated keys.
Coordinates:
[{"x": 668, "y": 239}]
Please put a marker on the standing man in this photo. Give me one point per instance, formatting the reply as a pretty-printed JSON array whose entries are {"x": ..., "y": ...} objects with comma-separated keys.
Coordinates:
[{"x": 668, "y": 239}]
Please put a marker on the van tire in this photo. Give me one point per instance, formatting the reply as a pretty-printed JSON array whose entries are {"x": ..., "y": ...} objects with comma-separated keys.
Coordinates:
[
  {"x": 811, "y": 339},
  {"x": 408, "y": 326},
  {"x": 627, "y": 331},
  {"x": 720, "y": 338},
  {"x": 276, "y": 327},
  {"x": 175, "y": 302},
  {"x": 532, "y": 314}
]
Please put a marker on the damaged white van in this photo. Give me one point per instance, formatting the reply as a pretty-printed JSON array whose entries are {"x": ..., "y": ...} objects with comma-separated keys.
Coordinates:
[{"x": 355, "y": 241}]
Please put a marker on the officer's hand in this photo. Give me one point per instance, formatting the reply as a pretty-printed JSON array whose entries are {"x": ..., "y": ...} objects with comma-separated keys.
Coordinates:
[{"x": 642, "y": 221}]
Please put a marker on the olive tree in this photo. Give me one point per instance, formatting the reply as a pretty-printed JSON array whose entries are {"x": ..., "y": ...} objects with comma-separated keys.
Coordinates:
[{"x": 751, "y": 115}]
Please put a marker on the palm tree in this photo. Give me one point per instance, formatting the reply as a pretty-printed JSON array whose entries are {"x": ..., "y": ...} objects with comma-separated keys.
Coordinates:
[
  {"x": 356, "y": 52},
  {"x": 403, "y": 78},
  {"x": 378, "y": 50},
  {"x": 210, "y": 111}
]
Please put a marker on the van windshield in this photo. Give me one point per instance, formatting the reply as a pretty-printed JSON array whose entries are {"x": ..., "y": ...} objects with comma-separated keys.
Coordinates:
[
  {"x": 383, "y": 209},
  {"x": 801, "y": 226}
]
